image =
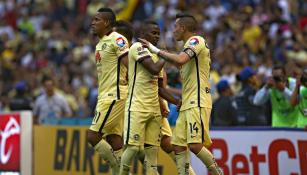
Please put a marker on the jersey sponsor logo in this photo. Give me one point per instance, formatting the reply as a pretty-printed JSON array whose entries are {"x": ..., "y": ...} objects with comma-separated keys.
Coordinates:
[
  {"x": 187, "y": 168},
  {"x": 141, "y": 51},
  {"x": 97, "y": 57},
  {"x": 120, "y": 42},
  {"x": 194, "y": 41}
]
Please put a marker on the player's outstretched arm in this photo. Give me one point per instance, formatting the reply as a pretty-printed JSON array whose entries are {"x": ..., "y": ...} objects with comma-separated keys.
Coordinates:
[{"x": 178, "y": 59}]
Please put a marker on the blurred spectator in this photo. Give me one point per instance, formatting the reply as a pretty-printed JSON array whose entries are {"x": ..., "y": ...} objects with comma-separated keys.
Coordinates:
[
  {"x": 70, "y": 99},
  {"x": 224, "y": 110},
  {"x": 283, "y": 114},
  {"x": 248, "y": 113},
  {"x": 20, "y": 101},
  {"x": 25, "y": 25},
  {"x": 92, "y": 98},
  {"x": 50, "y": 105},
  {"x": 299, "y": 97},
  {"x": 298, "y": 54}
]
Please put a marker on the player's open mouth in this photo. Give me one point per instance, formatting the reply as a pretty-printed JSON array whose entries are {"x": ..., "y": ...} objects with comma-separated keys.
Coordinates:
[{"x": 93, "y": 27}]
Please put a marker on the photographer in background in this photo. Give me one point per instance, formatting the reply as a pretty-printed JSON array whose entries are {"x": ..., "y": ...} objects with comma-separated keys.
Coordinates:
[
  {"x": 276, "y": 89},
  {"x": 299, "y": 98}
]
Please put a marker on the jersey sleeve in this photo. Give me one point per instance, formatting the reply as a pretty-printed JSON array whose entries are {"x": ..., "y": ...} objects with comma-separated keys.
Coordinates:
[
  {"x": 121, "y": 46},
  {"x": 139, "y": 52},
  {"x": 193, "y": 46}
]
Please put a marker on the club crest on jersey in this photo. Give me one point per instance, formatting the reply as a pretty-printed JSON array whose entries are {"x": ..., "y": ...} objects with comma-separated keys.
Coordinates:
[
  {"x": 193, "y": 41},
  {"x": 120, "y": 42}
]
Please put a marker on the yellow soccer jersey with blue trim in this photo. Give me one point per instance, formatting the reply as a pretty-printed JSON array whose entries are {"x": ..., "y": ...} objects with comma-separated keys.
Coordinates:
[
  {"x": 112, "y": 80},
  {"x": 195, "y": 74},
  {"x": 143, "y": 86}
]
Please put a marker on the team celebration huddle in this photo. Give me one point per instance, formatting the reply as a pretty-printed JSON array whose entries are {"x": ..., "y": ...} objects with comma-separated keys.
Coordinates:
[{"x": 131, "y": 114}]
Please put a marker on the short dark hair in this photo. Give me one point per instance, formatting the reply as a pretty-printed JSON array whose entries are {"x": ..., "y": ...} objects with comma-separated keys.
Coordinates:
[
  {"x": 125, "y": 28},
  {"x": 145, "y": 24},
  {"x": 188, "y": 21},
  {"x": 280, "y": 66},
  {"x": 111, "y": 15},
  {"x": 144, "y": 28}
]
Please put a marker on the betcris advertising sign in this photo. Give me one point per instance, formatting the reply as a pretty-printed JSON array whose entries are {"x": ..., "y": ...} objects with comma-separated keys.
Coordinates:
[
  {"x": 10, "y": 142},
  {"x": 16, "y": 142},
  {"x": 62, "y": 150},
  {"x": 258, "y": 152}
]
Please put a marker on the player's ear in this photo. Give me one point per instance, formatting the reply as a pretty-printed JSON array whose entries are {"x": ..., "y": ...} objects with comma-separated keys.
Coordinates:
[
  {"x": 107, "y": 22},
  {"x": 184, "y": 28}
]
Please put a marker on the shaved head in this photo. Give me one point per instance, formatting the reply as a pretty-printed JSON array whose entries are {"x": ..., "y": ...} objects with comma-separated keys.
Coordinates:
[
  {"x": 188, "y": 21},
  {"x": 108, "y": 15}
]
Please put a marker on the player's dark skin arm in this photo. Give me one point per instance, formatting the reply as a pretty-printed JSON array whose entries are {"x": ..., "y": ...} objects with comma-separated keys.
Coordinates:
[
  {"x": 165, "y": 94},
  {"x": 124, "y": 60},
  {"x": 153, "y": 68}
]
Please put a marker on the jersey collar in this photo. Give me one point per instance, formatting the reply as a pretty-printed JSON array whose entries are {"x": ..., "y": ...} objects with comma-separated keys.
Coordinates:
[{"x": 107, "y": 35}]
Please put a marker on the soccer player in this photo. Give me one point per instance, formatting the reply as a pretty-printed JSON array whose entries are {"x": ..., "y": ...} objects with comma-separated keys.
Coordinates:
[
  {"x": 125, "y": 28},
  {"x": 166, "y": 131},
  {"x": 105, "y": 133},
  {"x": 142, "y": 113},
  {"x": 192, "y": 126}
]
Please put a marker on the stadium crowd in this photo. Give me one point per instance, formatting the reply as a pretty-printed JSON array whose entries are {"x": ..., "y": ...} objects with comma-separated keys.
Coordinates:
[{"x": 247, "y": 38}]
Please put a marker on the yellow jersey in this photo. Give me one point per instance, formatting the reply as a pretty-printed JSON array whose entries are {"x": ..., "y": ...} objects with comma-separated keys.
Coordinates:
[
  {"x": 112, "y": 81},
  {"x": 195, "y": 75},
  {"x": 143, "y": 86}
]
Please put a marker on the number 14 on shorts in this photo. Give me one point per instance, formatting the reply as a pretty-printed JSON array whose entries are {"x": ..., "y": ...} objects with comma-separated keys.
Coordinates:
[{"x": 193, "y": 129}]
